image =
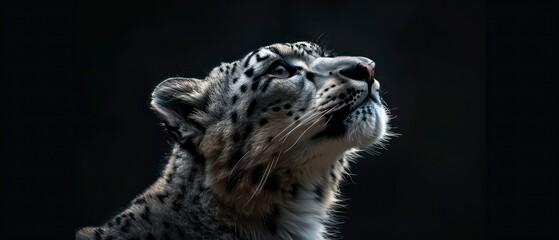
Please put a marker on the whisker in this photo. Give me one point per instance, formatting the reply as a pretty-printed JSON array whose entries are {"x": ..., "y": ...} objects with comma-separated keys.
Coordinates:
[
  {"x": 265, "y": 176},
  {"x": 310, "y": 127},
  {"x": 237, "y": 163},
  {"x": 307, "y": 120},
  {"x": 306, "y": 115},
  {"x": 258, "y": 187}
]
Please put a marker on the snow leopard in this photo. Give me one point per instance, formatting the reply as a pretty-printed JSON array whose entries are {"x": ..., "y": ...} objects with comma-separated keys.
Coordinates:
[{"x": 259, "y": 147}]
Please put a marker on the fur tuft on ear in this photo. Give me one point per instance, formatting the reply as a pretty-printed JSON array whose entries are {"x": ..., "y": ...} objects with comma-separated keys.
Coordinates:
[{"x": 174, "y": 101}]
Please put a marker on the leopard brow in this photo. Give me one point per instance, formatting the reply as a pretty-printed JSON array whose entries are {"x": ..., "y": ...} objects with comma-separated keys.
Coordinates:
[
  {"x": 247, "y": 61},
  {"x": 288, "y": 54},
  {"x": 259, "y": 58}
]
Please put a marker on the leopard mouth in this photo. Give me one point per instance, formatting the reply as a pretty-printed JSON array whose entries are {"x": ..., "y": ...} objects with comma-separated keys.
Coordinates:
[{"x": 335, "y": 126}]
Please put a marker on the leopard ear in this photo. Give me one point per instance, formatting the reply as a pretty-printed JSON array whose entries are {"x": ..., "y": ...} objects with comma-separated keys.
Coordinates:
[{"x": 175, "y": 101}]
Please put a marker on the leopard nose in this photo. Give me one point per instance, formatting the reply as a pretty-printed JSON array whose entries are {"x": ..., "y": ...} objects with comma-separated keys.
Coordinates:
[{"x": 360, "y": 72}]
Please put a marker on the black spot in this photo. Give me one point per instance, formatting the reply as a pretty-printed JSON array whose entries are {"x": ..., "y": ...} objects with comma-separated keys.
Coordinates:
[
  {"x": 257, "y": 174},
  {"x": 249, "y": 72},
  {"x": 302, "y": 109},
  {"x": 333, "y": 85},
  {"x": 287, "y": 106},
  {"x": 110, "y": 224},
  {"x": 162, "y": 196},
  {"x": 131, "y": 216},
  {"x": 276, "y": 109},
  {"x": 248, "y": 58},
  {"x": 266, "y": 84},
  {"x": 235, "y": 98},
  {"x": 126, "y": 226},
  {"x": 109, "y": 238},
  {"x": 333, "y": 175},
  {"x": 139, "y": 201},
  {"x": 234, "y": 180},
  {"x": 150, "y": 237},
  {"x": 326, "y": 89},
  {"x": 310, "y": 76},
  {"x": 234, "y": 117},
  {"x": 243, "y": 88},
  {"x": 236, "y": 137},
  {"x": 117, "y": 220},
  {"x": 272, "y": 183},
  {"x": 166, "y": 225},
  {"x": 342, "y": 95},
  {"x": 263, "y": 122},
  {"x": 235, "y": 80},
  {"x": 270, "y": 219},
  {"x": 259, "y": 59},
  {"x": 251, "y": 107},
  {"x": 146, "y": 215},
  {"x": 289, "y": 113},
  {"x": 235, "y": 158},
  {"x": 296, "y": 118},
  {"x": 270, "y": 139},
  {"x": 274, "y": 50},
  {"x": 248, "y": 130},
  {"x": 294, "y": 190},
  {"x": 255, "y": 85},
  {"x": 177, "y": 203}
]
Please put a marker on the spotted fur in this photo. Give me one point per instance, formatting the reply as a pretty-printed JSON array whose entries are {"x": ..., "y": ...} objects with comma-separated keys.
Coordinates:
[{"x": 262, "y": 144}]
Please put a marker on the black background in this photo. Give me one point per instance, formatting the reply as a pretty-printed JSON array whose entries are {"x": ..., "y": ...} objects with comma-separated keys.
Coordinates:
[{"x": 472, "y": 83}]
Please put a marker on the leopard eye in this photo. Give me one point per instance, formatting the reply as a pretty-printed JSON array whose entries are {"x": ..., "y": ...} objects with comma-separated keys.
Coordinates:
[{"x": 279, "y": 70}]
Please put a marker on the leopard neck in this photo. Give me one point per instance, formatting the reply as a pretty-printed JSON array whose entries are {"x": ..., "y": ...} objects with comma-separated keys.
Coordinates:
[{"x": 287, "y": 203}]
